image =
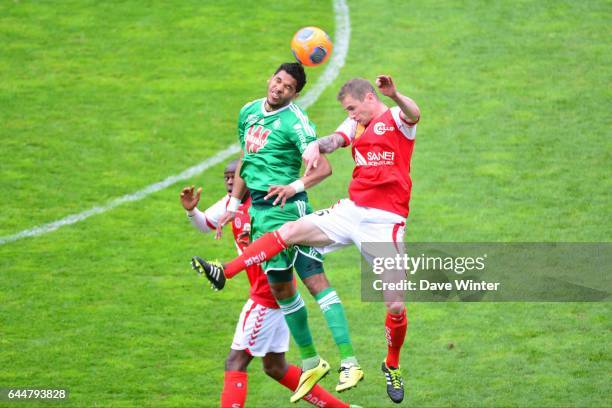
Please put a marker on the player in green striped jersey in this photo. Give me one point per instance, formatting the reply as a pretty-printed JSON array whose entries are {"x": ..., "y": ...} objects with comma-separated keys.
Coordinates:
[{"x": 273, "y": 133}]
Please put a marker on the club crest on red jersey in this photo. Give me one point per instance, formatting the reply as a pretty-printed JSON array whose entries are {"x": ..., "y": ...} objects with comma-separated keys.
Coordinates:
[
  {"x": 256, "y": 138},
  {"x": 380, "y": 128}
]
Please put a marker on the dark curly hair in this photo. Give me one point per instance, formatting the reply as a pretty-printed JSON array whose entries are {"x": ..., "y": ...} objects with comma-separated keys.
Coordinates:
[{"x": 296, "y": 70}]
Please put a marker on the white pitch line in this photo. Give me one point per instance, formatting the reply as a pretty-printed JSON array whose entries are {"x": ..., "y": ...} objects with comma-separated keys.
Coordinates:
[
  {"x": 341, "y": 43},
  {"x": 139, "y": 195}
]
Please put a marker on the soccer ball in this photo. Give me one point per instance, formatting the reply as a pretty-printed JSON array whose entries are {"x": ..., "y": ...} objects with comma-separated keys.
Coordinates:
[{"x": 311, "y": 46}]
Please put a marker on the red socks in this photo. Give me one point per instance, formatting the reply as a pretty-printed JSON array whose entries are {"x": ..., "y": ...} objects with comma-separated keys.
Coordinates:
[
  {"x": 395, "y": 331},
  {"x": 318, "y": 396},
  {"x": 234, "y": 389},
  {"x": 262, "y": 249}
]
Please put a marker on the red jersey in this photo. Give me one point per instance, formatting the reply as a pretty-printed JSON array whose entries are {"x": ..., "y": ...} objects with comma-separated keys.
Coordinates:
[
  {"x": 382, "y": 153},
  {"x": 260, "y": 289}
]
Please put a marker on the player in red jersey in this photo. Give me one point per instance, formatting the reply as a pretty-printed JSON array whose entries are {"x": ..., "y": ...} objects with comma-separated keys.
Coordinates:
[
  {"x": 261, "y": 330},
  {"x": 382, "y": 141}
]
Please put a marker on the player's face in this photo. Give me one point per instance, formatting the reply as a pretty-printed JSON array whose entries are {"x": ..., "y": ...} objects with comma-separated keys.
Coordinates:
[
  {"x": 229, "y": 180},
  {"x": 361, "y": 111},
  {"x": 281, "y": 90}
]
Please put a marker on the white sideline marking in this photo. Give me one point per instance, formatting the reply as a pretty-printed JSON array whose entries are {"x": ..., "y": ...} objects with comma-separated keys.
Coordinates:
[
  {"x": 139, "y": 195},
  {"x": 341, "y": 43}
]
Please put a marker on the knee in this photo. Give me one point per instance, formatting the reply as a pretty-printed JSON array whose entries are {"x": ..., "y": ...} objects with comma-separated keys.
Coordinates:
[
  {"x": 282, "y": 290},
  {"x": 274, "y": 370},
  {"x": 234, "y": 362},
  {"x": 288, "y": 232},
  {"x": 316, "y": 283},
  {"x": 395, "y": 307}
]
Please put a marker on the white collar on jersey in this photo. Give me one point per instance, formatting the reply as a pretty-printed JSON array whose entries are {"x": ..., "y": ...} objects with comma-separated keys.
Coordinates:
[{"x": 266, "y": 113}]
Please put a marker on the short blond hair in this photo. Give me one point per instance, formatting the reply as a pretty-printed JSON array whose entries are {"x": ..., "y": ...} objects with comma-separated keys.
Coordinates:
[{"x": 357, "y": 88}]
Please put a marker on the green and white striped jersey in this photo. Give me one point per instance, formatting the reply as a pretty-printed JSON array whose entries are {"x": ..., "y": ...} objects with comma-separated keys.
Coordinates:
[{"x": 273, "y": 143}]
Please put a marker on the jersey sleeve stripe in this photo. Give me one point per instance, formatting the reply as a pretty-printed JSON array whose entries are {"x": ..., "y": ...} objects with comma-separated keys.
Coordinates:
[
  {"x": 347, "y": 141},
  {"x": 409, "y": 131},
  {"x": 309, "y": 130},
  {"x": 303, "y": 120},
  {"x": 210, "y": 224},
  {"x": 348, "y": 129},
  {"x": 409, "y": 123}
]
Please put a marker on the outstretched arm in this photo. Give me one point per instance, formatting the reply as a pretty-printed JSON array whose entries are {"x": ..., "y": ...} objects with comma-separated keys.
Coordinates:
[
  {"x": 327, "y": 144},
  {"x": 410, "y": 110},
  {"x": 331, "y": 143},
  {"x": 190, "y": 199},
  {"x": 316, "y": 176}
]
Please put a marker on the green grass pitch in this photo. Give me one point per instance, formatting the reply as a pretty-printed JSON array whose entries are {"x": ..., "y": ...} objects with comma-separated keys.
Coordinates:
[{"x": 100, "y": 99}]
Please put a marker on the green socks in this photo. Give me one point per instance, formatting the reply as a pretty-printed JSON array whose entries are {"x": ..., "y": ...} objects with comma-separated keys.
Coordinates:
[
  {"x": 336, "y": 320},
  {"x": 297, "y": 319}
]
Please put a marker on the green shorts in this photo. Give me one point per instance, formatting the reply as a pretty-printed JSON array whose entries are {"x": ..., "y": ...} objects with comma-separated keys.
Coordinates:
[{"x": 306, "y": 260}]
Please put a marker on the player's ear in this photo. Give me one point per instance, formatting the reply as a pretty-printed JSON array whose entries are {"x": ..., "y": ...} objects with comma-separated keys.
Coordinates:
[{"x": 371, "y": 98}]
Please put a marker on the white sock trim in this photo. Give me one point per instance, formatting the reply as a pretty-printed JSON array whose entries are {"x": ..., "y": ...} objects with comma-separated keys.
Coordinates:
[
  {"x": 329, "y": 299},
  {"x": 294, "y": 306}
]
